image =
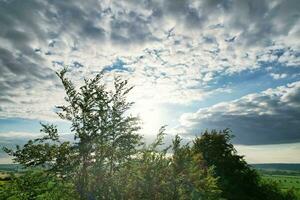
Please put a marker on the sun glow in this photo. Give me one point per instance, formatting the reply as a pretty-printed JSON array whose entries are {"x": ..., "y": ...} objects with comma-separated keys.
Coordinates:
[{"x": 151, "y": 116}]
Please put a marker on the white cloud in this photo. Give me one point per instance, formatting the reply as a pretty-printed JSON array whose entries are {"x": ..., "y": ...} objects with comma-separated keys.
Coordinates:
[
  {"x": 16, "y": 135},
  {"x": 174, "y": 50},
  {"x": 278, "y": 76},
  {"x": 271, "y": 116}
]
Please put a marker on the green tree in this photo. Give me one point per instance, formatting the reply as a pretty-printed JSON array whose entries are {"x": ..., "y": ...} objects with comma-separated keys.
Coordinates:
[
  {"x": 237, "y": 179},
  {"x": 193, "y": 179},
  {"x": 105, "y": 137},
  {"x": 171, "y": 172}
]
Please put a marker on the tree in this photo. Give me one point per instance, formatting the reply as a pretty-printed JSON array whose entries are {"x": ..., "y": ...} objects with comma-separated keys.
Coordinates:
[
  {"x": 193, "y": 179},
  {"x": 237, "y": 179},
  {"x": 155, "y": 174},
  {"x": 105, "y": 136}
]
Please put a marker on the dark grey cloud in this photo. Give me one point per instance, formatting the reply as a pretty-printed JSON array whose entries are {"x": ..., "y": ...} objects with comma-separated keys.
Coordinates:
[
  {"x": 262, "y": 21},
  {"x": 30, "y": 31},
  {"x": 18, "y": 71},
  {"x": 257, "y": 21},
  {"x": 130, "y": 27},
  {"x": 20, "y": 65},
  {"x": 272, "y": 116}
]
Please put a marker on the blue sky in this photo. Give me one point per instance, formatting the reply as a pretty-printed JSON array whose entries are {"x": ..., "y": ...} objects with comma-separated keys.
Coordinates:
[{"x": 195, "y": 65}]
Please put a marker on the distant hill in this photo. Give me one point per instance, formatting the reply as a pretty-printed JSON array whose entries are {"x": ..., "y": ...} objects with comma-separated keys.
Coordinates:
[
  {"x": 278, "y": 166},
  {"x": 10, "y": 167},
  {"x": 267, "y": 166}
]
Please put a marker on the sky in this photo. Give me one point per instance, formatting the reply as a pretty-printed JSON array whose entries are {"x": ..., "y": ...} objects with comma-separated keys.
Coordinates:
[{"x": 194, "y": 65}]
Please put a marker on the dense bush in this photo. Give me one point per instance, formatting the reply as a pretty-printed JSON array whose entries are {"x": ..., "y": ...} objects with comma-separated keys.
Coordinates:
[{"x": 37, "y": 184}]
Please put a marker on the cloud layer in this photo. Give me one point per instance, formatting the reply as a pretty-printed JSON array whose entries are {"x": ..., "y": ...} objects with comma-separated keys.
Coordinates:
[
  {"x": 272, "y": 116},
  {"x": 175, "y": 52}
]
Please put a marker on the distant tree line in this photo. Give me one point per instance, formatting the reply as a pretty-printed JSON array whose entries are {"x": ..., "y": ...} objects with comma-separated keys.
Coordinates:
[{"x": 108, "y": 160}]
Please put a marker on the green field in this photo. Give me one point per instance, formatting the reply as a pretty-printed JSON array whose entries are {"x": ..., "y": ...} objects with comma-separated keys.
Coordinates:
[
  {"x": 285, "y": 182},
  {"x": 3, "y": 177},
  {"x": 286, "y": 175},
  {"x": 6, "y": 170},
  {"x": 285, "y": 179}
]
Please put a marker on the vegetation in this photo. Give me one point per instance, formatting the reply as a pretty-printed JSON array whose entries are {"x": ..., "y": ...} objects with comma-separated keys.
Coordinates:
[
  {"x": 279, "y": 167},
  {"x": 236, "y": 178},
  {"x": 108, "y": 160},
  {"x": 285, "y": 180}
]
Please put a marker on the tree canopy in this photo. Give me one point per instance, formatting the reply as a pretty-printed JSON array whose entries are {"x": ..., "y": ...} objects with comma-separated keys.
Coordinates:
[{"x": 236, "y": 178}]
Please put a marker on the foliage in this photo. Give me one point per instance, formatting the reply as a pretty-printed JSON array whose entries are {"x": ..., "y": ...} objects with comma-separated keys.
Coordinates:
[
  {"x": 106, "y": 159},
  {"x": 285, "y": 180},
  {"x": 192, "y": 178},
  {"x": 237, "y": 179},
  {"x": 38, "y": 185},
  {"x": 156, "y": 175}
]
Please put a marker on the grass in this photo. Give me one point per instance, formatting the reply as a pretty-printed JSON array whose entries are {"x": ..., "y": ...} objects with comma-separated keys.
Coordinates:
[
  {"x": 3, "y": 178},
  {"x": 285, "y": 182}
]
